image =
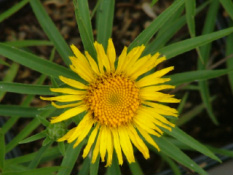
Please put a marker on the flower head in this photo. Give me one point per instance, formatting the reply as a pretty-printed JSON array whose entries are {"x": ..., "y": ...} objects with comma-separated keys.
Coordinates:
[{"x": 120, "y": 104}]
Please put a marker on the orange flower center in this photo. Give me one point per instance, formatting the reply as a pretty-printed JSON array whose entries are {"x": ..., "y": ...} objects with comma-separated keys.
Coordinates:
[{"x": 113, "y": 99}]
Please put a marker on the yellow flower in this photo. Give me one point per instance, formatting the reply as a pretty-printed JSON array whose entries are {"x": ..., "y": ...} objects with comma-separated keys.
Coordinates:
[{"x": 120, "y": 105}]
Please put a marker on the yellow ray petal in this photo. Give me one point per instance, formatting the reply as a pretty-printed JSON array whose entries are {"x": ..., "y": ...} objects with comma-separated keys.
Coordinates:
[
  {"x": 148, "y": 138},
  {"x": 111, "y": 53},
  {"x": 132, "y": 57},
  {"x": 137, "y": 141},
  {"x": 145, "y": 122},
  {"x": 81, "y": 126},
  {"x": 67, "y": 135},
  {"x": 152, "y": 89},
  {"x": 73, "y": 83},
  {"x": 82, "y": 72},
  {"x": 126, "y": 144},
  {"x": 155, "y": 96},
  {"x": 103, "y": 142},
  {"x": 121, "y": 60},
  {"x": 138, "y": 65},
  {"x": 162, "y": 109},
  {"x": 67, "y": 91},
  {"x": 117, "y": 145},
  {"x": 151, "y": 63},
  {"x": 109, "y": 147},
  {"x": 145, "y": 81},
  {"x": 90, "y": 141},
  {"x": 93, "y": 64},
  {"x": 66, "y": 105},
  {"x": 68, "y": 114},
  {"x": 84, "y": 132},
  {"x": 101, "y": 55},
  {"x": 96, "y": 150},
  {"x": 64, "y": 98}
]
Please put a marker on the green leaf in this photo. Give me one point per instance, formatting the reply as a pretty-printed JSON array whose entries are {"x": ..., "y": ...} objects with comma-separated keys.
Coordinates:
[
  {"x": 187, "y": 77},
  {"x": 172, "y": 164},
  {"x": 29, "y": 43},
  {"x": 104, "y": 20},
  {"x": 62, "y": 148},
  {"x": 205, "y": 54},
  {"x": 114, "y": 169},
  {"x": 25, "y": 88},
  {"x": 49, "y": 154},
  {"x": 176, "y": 154},
  {"x": 189, "y": 44},
  {"x": 35, "y": 162},
  {"x": 2, "y": 62},
  {"x": 69, "y": 159},
  {"x": 228, "y": 6},
  {"x": 39, "y": 171},
  {"x": 28, "y": 129},
  {"x": 84, "y": 170},
  {"x": 51, "y": 30},
  {"x": 9, "y": 77},
  {"x": 8, "y": 110},
  {"x": 13, "y": 9},
  {"x": 148, "y": 33},
  {"x": 191, "y": 142},
  {"x": 229, "y": 51},
  {"x": 2, "y": 150},
  {"x": 168, "y": 31},
  {"x": 34, "y": 62},
  {"x": 188, "y": 116},
  {"x": 83, "y": 19},
  {"x": 33, "y": 138},
  {"x": 135, "y": 168},
  {"x": 221, "y": 151},
  {"x": 94, "y": 167},
  {"x": 190, "y": 7}
]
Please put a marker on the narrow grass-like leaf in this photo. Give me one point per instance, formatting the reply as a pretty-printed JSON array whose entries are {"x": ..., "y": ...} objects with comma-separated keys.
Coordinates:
[
  {"x": 221, "y": 151},
  {"x": 35, "y": 162},
  {"x": 61, "y": 147},
  {"x": 34, "y": 62},
  {"x": 205, "y": 54},
  {"x": 114, "y": 169},
  {"x": 176, "y": 154},
  {"x": 39, "y": 171},
  {"x": 9, "y": 110},
  {"x": 188, "y": 116},
  {"x": 52, "y": 32},
  {"x": 25, "y": 159},
  {"x": 187, "y": 77},
  {"x": 172, "y": 164},
  {"x": 29, "y": 43},
  {"x": 94, "y": 167},
  {"x": 228, "y": 6},
  {"x": 186, "y": 139},
  {"x": 13, "y": 9},
  {"x": 229, "y": 51},
  {"x": 2, "y": 62},
  {"x": 135, "y": 168},
  {"x": 190, "y": 7},
  {"x": 104, "y": 20},
  {"x": 9, "y": 77},
  {"x": 69, "y": 159},
  {"x": 84, "y": 170},
  {"x": 182, "y": 103},
  {"x": 83, "y": 19},
  {"x": 33, "y": 138},
  {"x": 166, "y": 33},
  {"x": 2, "y": 150},
  {"x": 25, "y": 88},
  {"x": 148, "y": 33},
  {"x": 189, "y": 44},
  {"x": 27, "y": 129}
]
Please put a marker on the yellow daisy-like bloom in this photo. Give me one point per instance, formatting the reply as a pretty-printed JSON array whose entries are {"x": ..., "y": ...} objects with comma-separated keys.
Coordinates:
[{"x": 121, "y": 105}]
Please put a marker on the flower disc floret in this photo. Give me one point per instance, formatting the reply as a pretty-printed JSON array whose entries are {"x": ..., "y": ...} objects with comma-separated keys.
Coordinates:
[{"x": 113, "y": 99}]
